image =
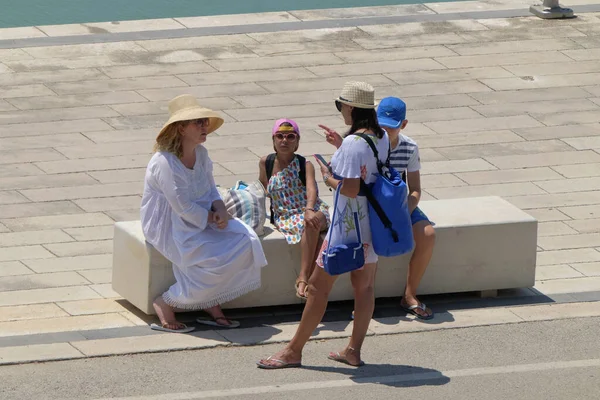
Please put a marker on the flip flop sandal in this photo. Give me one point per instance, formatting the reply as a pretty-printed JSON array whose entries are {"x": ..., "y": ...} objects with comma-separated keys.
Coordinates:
[
  {"x": 298, "y": 282},
  {"x": 421, "y": 306},
  {"x": 281, "y": 364},
  {"x": 338, "y": 357},
  {"x": 214, "y": 322},
  {"x": 163, "y": 328}
]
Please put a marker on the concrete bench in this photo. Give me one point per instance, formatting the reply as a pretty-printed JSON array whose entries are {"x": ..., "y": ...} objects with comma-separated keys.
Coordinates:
[{"x": 483, "y": 244}]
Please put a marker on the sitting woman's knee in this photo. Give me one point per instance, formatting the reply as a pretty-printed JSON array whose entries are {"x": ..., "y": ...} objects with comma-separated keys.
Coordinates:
[
  {"x": 429, "y": 233},
  {"x": 424, "y": 235}
]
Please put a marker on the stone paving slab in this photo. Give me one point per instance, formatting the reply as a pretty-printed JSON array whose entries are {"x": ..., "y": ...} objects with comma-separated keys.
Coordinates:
[
  {"x": 63, "y": 324},
  {"x": 588, "y": 269},
  {"x": 12, "y": 268},
  {"x": 554, "y": 228},
  {"x": 585, "y": 225},
  {"x": 36, "y": 353},
  {"x": 50, "y": 295},
  {"x": 165, "y": 342},
  {"x": 557, "y": 272},
  {"x": 39, "y": 281},
  {"x": 58, "y": 221},
  {"x": 85, "y": 307},
  {"x": 505, "y": 106}
]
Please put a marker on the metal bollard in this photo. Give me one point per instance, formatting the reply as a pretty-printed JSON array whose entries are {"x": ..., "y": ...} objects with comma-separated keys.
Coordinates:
[{"x": 551, "y": 9}]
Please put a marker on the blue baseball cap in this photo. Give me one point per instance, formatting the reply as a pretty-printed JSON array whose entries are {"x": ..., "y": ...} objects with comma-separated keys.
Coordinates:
[{"x": 391, "y": 112}]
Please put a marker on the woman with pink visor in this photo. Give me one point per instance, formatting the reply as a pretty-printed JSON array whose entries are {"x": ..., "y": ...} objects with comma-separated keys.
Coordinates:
[{"x": 296, "y": 210}]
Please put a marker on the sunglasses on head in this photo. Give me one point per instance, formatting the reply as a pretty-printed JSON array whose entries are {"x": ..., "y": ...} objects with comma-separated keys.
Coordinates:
[
  {"x": 289, "y": 136},
  {"x": 200, "y": 122}
]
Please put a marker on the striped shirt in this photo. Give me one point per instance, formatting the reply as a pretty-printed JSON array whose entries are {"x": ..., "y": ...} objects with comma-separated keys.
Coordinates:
[{"x": 405, "y": 157}]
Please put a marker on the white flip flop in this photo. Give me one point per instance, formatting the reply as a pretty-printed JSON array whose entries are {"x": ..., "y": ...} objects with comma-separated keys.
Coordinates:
[
  {"x": 186, "y": 329},
  {"x": 213, "y": 322}
]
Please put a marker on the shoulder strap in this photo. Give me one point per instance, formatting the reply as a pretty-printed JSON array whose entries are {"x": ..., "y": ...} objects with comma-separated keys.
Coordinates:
[
  {"x": 367, "y": 190},
  {"x": 375, "y": 151},
  {"x": 302, "y": 174},
  {"x": 370, "y": 143},
  {"x": 269, "y": 163}
]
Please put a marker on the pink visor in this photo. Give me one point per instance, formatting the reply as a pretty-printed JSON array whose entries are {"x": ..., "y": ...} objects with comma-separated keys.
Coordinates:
[{"x": 279, "y": 122}]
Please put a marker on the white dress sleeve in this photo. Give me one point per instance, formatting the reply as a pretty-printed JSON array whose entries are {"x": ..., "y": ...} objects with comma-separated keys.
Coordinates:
[
  {"x": 214, "y": 193},
  {"x": 176, "y": 189},
  {"x": 354, "y": 152}
]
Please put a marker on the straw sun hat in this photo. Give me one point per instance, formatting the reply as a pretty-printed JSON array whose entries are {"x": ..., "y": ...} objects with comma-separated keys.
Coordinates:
[
  {"x": 186, "y": 107},
  {"x": 358, "y": 94}
]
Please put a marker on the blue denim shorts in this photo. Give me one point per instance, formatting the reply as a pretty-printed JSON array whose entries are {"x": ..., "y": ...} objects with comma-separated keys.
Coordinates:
[{"x": 417, "y": 216}]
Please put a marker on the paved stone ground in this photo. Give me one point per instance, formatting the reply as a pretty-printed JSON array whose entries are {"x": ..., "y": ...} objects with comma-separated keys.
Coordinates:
[{"x": 506, "y": 106}]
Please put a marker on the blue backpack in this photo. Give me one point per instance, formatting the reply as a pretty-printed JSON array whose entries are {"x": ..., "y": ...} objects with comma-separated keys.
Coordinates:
[{"x": 391, "y": 227}]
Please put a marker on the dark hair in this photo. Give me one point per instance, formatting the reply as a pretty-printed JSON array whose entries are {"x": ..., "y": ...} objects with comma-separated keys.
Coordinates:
[{"x": 365, "y": 118}]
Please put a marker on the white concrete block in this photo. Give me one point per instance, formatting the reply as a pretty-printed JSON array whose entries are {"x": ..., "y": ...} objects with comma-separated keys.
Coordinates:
[{"x": 482, "y": 243}]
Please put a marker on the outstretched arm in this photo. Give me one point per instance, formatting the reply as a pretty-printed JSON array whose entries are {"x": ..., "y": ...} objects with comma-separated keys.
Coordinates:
[{"x": 332, "y": 136}]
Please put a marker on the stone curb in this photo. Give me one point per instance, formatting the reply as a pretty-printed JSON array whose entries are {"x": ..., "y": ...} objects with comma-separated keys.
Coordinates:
[
  {"x": 29, "y": 40},
  {"x": 252, "y": 336}
]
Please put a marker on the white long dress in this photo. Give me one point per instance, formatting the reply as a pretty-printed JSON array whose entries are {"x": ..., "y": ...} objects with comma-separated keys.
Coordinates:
[{"x": 211, "y": 266}]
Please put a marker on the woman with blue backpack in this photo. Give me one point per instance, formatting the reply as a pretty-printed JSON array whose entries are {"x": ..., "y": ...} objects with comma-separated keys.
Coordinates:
[{"x": 348, "y": 246}]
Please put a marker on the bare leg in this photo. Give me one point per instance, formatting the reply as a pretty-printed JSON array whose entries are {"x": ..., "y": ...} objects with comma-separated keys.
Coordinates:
[
  {"x": 166, "y": 314},
  {"x": 363, "y": 282},
  {"x": 424, "y": 235},
  {"x": 309, "y": 246},
  {"x": 319, "y": 286}
]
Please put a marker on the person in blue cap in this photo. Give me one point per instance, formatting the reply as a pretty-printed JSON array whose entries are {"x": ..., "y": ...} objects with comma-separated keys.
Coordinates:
[{"x": 404, "y": 157}]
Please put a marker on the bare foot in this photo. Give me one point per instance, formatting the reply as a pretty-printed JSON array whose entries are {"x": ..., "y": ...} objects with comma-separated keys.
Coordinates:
[
  {"x": 217, "y": 314},
  {"x": 348, "y": 356},
  {"x": 166, "y": 315},
  {"x": 283, "y": 359}
]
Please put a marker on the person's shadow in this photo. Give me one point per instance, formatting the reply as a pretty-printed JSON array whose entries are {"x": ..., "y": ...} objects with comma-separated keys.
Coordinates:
[
  {"x": 388, "y": 374},
  {"x": 439, "y": 318},
  {"x": 332, "y": 326}
]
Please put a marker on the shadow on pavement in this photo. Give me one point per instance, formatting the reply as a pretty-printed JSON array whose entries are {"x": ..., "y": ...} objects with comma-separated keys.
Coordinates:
[
  {"x": 389, "y": 375},
  {"x": 438, "y": 318}
]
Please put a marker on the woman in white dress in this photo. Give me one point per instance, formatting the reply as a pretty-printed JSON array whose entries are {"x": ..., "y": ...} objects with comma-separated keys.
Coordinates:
[
  {"x": 215, "y": 258},
  {"x": 352, "y": 161}
]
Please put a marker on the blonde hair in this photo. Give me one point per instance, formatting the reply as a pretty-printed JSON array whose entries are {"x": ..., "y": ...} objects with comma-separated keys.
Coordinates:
[{"x": 171, "y": 140}]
